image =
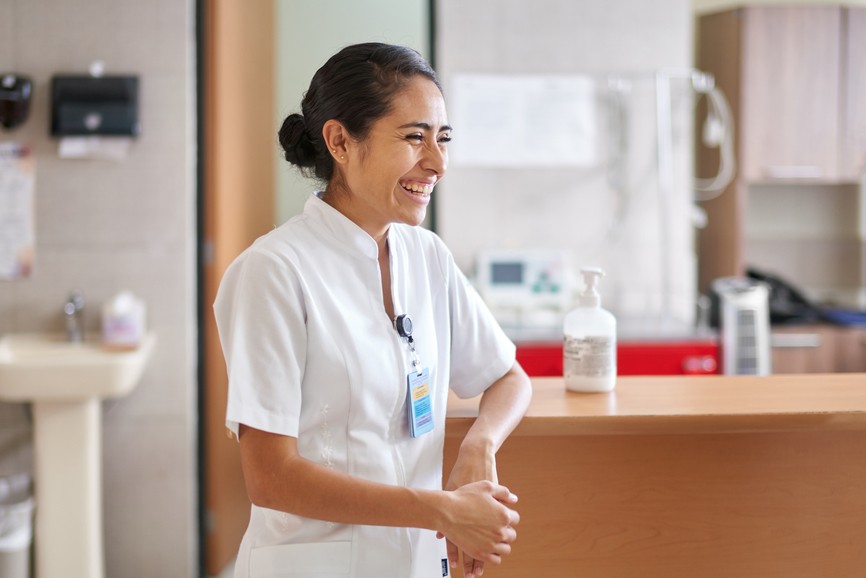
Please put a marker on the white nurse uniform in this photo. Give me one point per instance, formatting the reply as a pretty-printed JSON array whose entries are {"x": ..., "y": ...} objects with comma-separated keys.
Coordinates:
[{"x": 312, "y": 354}]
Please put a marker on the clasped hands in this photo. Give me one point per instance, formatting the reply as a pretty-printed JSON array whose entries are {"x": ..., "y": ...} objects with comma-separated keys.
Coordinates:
[{"x": 483, "y": 528}]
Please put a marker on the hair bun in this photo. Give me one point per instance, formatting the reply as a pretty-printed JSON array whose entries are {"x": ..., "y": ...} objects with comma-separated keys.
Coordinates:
[{"x": 296, "y": 142}]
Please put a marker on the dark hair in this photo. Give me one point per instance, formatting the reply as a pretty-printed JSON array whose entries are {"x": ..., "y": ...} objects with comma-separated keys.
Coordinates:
[{"x": 355, "y": 87}]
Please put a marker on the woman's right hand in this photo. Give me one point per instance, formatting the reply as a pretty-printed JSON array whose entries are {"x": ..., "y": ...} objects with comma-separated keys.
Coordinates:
[{"x": 479, "y": 521}]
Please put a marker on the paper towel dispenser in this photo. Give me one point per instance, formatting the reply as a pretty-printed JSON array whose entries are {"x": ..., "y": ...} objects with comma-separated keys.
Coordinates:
[{"x": 94, "y": 106}]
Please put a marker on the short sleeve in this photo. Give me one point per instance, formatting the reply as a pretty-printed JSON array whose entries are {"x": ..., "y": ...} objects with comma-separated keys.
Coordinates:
[
  {"x": 260, "y": 317},
  {"x": 481, "y": 353}
]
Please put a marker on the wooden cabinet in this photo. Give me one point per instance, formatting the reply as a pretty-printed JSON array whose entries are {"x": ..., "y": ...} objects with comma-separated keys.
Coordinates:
[
  {"x": 818, "y": 349},
  {"x": 797, "y": 74},
  {"x": 790, "y": 71},
  {"x": 795, "y": 77},
  {"x": 854, "y": 104},
  {"x": 851, "y": 350}
]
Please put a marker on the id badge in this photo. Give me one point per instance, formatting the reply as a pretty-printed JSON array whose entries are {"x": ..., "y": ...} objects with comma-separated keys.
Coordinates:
[{"x": 420, "y": 403}]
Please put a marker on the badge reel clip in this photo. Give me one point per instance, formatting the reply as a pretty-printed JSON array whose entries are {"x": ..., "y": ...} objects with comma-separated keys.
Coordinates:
[
  {"x": 420, "y": 405},
  {"x": 403, "y": 324}
]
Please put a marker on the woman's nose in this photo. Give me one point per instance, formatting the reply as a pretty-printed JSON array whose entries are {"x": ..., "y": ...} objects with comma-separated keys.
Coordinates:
[{"x": 435, "y": 159}]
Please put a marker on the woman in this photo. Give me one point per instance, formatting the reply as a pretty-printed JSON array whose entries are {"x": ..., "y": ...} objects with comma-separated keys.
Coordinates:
[{"x": 343, "y": 330}]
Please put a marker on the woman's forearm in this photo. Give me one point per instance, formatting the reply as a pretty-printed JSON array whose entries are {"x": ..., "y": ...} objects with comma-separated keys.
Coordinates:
[
  {"x": 502, "y": 407},
  {"x": 475, "y": 516},
  {"x": 296, "y": 485}
]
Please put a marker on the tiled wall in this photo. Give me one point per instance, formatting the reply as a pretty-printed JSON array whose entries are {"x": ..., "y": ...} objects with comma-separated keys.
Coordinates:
[
  {"x": 104, "y": 226},
  {"x": 644, "y": 242}
]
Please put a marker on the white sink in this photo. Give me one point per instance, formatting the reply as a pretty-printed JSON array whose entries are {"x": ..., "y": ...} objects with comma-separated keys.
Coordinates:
[
  {"x": 65, "y": 382},
  {"x": 39, "y": 367}
]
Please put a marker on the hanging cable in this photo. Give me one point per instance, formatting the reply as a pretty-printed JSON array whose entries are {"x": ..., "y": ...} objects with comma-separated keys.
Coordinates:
[{"x": 718, "y": 131}]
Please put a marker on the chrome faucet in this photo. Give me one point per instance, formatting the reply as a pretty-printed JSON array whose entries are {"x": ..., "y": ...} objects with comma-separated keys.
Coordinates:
[{"x": 73, "y": 311}]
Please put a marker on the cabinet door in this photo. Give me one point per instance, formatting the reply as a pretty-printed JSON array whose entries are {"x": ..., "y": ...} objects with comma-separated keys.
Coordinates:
[
  {"x": 819, "y": 349},
  {"x": 803, "y": 349},
  {"x": 851, "y": 350},
  {"x": 853, "y": 126},
  {"x": 791, "y": 74}
]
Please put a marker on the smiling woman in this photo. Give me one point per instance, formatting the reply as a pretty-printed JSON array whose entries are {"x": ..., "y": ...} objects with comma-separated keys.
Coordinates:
[{"x": 339, "y": 411}]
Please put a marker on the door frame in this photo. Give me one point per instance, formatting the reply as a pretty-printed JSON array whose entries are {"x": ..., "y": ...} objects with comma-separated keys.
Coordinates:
[{"x": 236, "y": 137}]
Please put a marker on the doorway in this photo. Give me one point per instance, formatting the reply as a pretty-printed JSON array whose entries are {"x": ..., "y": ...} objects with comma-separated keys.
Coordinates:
[{"x": 236, "y": 206}]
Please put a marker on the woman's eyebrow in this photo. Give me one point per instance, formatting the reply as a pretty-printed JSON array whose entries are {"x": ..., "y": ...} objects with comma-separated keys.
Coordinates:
[{"x": 425, "y": 126}]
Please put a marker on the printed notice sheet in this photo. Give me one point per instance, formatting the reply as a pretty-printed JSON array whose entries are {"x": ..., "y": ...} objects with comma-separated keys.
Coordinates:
[
  {"x": 524, "y": 121},
  {"x": 17, "y": 177}
]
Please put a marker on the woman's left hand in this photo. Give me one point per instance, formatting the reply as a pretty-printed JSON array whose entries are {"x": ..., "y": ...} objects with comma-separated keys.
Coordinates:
[
  {"x": 473, "y": 464},
  {"x": 501, "y": 408}
]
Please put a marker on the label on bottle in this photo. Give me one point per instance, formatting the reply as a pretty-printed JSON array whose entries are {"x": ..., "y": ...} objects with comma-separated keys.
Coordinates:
[{"x": 590, "y": 356}]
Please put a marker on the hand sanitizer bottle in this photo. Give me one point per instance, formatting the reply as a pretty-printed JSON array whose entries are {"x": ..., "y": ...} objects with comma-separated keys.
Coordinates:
[{"x": 589, "y": 348}]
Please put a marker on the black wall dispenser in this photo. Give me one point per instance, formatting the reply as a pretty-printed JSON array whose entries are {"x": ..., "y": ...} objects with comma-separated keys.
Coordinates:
[
  {"x": 94, "y": 106},
  {"x": 15, "y": 96}
]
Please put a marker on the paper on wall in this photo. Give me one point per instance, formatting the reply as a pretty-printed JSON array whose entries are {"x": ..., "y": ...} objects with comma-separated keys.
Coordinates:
[
  {"x": 94, "y": 147},
  {"x": 523, "y": 120},
  {"x": 17, "y": 178}
]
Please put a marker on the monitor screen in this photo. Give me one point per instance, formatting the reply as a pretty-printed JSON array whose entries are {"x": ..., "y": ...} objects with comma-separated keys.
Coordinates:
[{"x": 504, "y": 273}]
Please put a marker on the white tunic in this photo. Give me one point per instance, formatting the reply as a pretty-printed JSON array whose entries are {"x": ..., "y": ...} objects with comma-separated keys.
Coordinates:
[{"x": 312, "y": 354}]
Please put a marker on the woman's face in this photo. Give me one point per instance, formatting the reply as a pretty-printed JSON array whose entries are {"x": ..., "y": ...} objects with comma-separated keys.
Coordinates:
[{"x": 391, "y": 173}]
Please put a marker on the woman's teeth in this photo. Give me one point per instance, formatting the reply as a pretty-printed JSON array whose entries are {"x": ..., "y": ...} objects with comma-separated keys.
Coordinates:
[{"x": 418, "y": 188}]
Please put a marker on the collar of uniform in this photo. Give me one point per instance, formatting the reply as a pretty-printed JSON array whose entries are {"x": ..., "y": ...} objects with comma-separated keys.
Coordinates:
[{"x": 342, "y": 227}]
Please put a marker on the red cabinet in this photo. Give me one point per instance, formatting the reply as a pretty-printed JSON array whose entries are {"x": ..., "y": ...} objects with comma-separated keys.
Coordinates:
[{"x": 691, "y": 357}]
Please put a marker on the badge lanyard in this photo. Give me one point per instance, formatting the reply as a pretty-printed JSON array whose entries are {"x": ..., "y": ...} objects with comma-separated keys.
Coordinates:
[{"x": 418, "y": 383}]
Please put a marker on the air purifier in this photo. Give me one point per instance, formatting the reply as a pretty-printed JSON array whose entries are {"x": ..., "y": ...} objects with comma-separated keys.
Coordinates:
[{"x": 744, "y": 325}]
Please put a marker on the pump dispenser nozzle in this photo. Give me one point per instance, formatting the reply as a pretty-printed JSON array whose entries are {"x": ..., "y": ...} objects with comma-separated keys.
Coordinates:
[{"x": 590, "y": 297}]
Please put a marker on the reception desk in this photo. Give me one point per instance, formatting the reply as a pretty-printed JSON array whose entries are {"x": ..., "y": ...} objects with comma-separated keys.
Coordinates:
[{"x": 692, "y": 477}]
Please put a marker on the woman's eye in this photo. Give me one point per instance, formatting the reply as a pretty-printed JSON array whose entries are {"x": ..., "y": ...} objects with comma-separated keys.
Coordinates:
[
  {"x": 415, "y": 137},
  {"x": 444, "y": 139}
]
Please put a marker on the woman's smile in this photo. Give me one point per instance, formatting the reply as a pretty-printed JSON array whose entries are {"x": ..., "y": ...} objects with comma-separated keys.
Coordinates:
[{"x": 419, "y": 191}]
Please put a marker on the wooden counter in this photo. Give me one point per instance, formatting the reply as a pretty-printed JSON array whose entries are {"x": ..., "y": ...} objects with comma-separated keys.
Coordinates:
[{"x": 687, "y": 476}]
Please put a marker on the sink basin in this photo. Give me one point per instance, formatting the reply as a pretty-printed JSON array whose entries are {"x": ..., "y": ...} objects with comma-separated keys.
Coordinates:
[
  {"x": 36, "y": 366},
  {"x": 66, "y": 382}
]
